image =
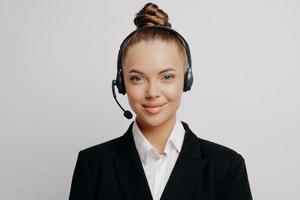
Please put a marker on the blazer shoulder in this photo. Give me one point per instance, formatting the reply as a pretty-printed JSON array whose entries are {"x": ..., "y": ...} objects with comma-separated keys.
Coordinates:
[
  {"x": 221, "y": 156},
  {"x": 94, "y": 157},
  {"x": 106, "y": 148},
  {"x": 229, "y": 171},
  {"x": 218, "y": 155}
]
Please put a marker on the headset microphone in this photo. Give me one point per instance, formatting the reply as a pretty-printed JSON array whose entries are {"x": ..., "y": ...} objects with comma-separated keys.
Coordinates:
[{"x": 126, "y": 113}]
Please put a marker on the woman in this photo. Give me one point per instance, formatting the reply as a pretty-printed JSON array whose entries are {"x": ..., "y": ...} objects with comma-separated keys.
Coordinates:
[{"x": 158, "y": 157}]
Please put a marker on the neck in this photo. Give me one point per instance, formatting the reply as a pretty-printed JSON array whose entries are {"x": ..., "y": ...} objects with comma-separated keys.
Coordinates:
[{"x": 158, "y": 135}]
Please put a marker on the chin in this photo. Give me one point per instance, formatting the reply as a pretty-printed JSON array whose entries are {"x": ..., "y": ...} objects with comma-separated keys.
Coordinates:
[
  {"x": 152, "y": 120},
  {"x": 155, "y": 119}
]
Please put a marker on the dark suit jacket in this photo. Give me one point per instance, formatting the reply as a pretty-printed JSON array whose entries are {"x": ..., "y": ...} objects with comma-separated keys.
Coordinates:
[{"x": 203, "y": 171}]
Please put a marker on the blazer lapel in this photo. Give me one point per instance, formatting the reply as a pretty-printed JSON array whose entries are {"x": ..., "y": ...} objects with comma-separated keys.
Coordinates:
[
  {"x": 188, "y": 169},
  {"x": 130, "y": 170}
]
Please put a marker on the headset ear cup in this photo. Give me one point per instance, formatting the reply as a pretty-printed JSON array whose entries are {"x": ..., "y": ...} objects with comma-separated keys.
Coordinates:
[
  {"x": 120, "y": 83},
  {"x": 188, "y": 80}
]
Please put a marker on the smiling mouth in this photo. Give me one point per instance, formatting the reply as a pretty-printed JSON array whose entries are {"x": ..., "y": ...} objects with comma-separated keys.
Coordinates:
[{"x": 154, "y": 109}]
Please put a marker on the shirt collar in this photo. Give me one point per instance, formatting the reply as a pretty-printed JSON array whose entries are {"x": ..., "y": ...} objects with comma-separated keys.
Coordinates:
[{"x": 143, "y": 146}]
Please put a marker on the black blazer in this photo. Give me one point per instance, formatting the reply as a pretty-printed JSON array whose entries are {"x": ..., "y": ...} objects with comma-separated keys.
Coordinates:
[{"x": 203, "y": 171}]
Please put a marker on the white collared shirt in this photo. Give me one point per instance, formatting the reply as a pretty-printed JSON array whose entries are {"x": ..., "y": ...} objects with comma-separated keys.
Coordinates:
[{"x": 158, "y": 167}]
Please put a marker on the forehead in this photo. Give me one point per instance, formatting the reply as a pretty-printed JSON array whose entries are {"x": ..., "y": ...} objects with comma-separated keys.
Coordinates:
[{"x": 153, "y": 55}]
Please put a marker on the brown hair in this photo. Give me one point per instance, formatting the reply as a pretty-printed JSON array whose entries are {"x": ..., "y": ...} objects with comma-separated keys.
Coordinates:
[{"x": 151, "y": 15}]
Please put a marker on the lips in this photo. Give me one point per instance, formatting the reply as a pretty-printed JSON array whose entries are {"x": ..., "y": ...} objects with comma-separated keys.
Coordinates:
[
  {"x": 153, "y": 108},
  {"x": 152, "y": 105}
]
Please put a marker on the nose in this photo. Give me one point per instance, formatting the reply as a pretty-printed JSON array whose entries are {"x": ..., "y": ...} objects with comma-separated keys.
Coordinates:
[{"x": 152, "y": 90}]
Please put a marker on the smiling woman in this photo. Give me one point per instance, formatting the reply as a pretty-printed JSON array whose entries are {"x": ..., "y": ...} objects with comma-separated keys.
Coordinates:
[
  {"x": 154, "y": 77},
  {"x": 159, "y": 157}
]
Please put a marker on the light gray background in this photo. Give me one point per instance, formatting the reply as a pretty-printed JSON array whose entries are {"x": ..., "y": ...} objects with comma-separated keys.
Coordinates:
[{"x": 57, "y": 60}]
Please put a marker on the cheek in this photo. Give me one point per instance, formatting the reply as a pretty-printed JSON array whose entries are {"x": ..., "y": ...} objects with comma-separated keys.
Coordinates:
[
  {"x": 174, "y": 92},
  {"x": 131, "y": 91},
  {"x": 135, "y": 95}
]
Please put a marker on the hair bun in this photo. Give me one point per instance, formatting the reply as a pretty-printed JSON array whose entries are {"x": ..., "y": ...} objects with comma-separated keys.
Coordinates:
[{"x": 151, "y": 15}]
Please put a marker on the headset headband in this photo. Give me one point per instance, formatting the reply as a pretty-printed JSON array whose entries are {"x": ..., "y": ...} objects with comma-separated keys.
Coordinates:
[{"x": 180, "y": 37}]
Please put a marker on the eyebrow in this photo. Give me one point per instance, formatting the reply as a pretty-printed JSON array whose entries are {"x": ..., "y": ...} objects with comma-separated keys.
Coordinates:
[{"x": 161, "y": 72}]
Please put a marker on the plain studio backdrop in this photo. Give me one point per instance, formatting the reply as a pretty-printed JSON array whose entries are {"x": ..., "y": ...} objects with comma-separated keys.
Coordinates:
[{"x": 58, "y": 58}]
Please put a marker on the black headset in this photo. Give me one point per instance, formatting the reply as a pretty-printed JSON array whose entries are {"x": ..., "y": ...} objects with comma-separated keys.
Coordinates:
[{"x": 119, "y": 82}]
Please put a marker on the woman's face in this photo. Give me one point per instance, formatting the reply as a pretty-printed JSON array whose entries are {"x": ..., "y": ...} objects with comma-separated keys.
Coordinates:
[{"x": 154, "y": 76}]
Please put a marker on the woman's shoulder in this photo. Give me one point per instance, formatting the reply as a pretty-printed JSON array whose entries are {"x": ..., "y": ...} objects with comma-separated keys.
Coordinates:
[
  {"x": 211, "y": 149},
  {"x": 218, "y": 155},
  {"x": 105, "y": 148},
  {"x": 218, "y": 151}
]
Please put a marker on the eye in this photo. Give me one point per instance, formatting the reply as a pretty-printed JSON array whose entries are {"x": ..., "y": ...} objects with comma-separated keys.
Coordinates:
[
  {"x": 168, "y": 77},
  {"x": 136, "y": 79}
]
